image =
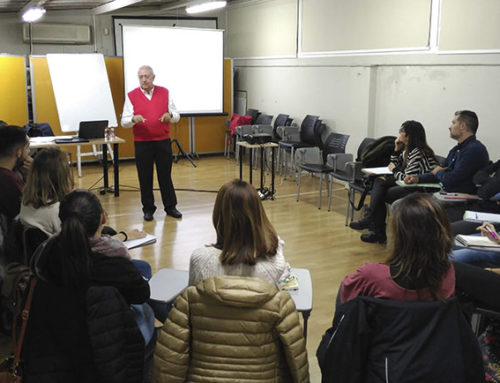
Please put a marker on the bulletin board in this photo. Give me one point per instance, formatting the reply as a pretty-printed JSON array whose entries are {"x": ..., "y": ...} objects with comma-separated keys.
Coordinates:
[{"x": 13, "y": 108}]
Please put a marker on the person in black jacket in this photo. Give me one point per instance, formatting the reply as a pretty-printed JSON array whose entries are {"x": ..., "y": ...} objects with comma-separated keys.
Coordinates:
[{"x": 67, "y": 338}]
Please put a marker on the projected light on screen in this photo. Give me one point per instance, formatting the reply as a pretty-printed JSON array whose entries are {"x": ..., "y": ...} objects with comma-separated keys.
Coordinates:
[{"x": 189, "y": 62}]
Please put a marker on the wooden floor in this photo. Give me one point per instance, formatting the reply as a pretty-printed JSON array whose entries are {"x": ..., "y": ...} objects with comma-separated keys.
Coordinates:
[{"x": 314, "y": 239}]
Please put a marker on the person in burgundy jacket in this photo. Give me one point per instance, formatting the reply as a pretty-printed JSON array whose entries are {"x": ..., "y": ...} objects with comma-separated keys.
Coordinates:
[{"x": 149, "y": 110}]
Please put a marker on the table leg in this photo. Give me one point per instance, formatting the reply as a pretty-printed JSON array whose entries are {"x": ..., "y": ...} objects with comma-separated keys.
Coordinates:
[
  {"x": 105, "y": 166},
  {"x": 262, "y": 169},
  {"x": 241, "y": 161},
  {"x": 272, "y": 172},
  {"x": 116, "y": 169},
  {"x": 251, "y": 164},
  {"x": 305, "y": 316}
]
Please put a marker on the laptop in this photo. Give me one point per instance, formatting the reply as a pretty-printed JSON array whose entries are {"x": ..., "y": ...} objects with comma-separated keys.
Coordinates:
[{"x": 92, "y": 129}]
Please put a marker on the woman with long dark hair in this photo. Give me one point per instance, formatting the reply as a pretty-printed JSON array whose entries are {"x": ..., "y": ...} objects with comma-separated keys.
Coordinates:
[
  {"x": 418, "y": 267},
  {"x": 60, "y": 342},
  {"x": 412, "y": 156}
]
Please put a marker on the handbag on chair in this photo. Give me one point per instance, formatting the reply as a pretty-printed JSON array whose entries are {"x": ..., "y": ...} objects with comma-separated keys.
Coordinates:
[{"x": 10, "y": 368}]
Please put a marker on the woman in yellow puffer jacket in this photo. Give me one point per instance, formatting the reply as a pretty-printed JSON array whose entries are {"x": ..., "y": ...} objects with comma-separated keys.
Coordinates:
[{"x": 232, "y": 329}]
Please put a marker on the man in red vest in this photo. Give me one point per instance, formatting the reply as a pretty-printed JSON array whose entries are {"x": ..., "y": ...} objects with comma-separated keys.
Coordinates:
[{"x": 149, "y": 110}]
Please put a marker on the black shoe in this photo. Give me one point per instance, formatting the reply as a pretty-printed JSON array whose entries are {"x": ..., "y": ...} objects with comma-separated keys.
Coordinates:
[
  {"x": 363, "y": 223},
  {"x": 148, "y": 216},
  {"x": 173, "y": 212},
  {"x": 373, "y": 237}
]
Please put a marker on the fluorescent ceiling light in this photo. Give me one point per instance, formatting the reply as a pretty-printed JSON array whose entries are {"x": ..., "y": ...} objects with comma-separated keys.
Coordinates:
[
  {"x": 204, "y": 7},
  {"x": 33, "y": 14}
]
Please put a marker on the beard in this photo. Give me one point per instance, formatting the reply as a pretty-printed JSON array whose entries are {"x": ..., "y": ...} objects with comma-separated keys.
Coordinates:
[{"x": 19, "y": 162}]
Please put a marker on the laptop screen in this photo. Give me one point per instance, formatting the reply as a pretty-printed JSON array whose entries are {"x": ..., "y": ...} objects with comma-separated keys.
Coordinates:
[{"x": 92, "y": 129}]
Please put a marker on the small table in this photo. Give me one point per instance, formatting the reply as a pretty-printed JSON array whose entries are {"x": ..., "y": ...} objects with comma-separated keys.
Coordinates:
[
  {"x": 273, "y": 146},
  {"x": 98, "y": 141},
  {"x": 303, "y": 297},
  {"x": 167, "y": 284}
]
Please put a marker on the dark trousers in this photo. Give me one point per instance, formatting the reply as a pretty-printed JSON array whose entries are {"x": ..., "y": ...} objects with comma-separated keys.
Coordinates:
[
  {"x": 158, "y": 153},
  {"x": 384, "y": 191}
]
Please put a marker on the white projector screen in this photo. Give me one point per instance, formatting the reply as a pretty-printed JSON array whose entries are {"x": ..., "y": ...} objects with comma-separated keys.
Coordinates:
[
  {"x": 81, "y": 89},
  {"x": 189, "y": 62}
]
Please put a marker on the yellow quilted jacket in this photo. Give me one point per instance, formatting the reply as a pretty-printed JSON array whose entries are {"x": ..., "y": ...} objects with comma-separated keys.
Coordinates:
[{"x": 232, "y": 329}]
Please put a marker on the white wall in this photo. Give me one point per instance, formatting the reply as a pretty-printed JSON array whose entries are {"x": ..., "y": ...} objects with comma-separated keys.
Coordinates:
[{"x": 371, "y": 92}]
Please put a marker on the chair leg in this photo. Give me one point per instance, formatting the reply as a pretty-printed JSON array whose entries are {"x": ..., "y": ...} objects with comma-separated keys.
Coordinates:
[
  {"x": 298, "y": 188},
  {"x": 320, "y": 189},
  {"x": 347, "y": 209}
]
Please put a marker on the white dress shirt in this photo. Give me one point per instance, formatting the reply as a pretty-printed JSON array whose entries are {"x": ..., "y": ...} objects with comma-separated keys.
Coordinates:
[{"x": 128, "y": 109}]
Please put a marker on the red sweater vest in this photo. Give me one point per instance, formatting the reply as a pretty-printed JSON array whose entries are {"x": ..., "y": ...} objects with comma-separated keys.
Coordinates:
[{"x": 152, "y": 129}]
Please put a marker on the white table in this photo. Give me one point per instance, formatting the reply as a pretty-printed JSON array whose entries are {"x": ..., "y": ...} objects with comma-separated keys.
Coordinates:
[{"x": 167, "y": 284}]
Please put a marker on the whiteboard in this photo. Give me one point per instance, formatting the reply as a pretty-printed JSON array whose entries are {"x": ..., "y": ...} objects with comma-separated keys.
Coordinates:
[
  {"x": 187, "y": 61},
  {"x": 81, "y": 89}
]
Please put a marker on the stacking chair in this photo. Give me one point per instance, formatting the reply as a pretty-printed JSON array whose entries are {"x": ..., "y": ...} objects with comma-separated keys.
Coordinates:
[
  {"x": 254, "y": 113},
  {"x": 347, "y": 170},
  {"x": 335, "y": 143},
  {"x": 310, "y": 134}
]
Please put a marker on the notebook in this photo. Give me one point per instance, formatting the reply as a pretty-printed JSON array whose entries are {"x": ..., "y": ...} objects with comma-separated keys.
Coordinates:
[
  {"x": 149, "y": 239},
  {"x": 92, "y": 129},
  {"x": 476, "y": 216},
  {"x": 475, "y": 241}
]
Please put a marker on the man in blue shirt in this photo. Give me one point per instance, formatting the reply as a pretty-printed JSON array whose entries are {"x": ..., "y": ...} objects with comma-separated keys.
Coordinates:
[{"x": 463, "y": 160}]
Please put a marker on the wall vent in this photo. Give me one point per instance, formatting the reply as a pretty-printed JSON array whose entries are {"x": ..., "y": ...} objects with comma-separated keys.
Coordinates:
[{"x": 57, "y": 33}]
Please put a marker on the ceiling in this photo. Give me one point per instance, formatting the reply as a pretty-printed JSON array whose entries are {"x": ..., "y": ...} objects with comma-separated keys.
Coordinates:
[{"x": 92, "y": 6}]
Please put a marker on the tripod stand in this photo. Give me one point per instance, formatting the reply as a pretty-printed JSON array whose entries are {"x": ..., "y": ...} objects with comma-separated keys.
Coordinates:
[{"x": 180, "y": 149}]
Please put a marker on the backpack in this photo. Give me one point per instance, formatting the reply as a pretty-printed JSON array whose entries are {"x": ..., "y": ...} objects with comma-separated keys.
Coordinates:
[
  {"x": 378, "y": 153},
  {"x": 238, "y": 120},
  {"x": 15, "y": 287}
]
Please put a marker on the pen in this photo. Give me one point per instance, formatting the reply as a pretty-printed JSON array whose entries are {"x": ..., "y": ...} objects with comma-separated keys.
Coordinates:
[{"x": 492, "y": 233}]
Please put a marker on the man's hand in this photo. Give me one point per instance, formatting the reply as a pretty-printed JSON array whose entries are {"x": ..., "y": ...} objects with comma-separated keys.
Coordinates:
[
  {"x": 437, "y": 169},
  {"x": 138, "y": 118},
  {"x": 411, "y": 180},
  {"x": 166, "y": 117},
  {"x": 391, "y": 166}
]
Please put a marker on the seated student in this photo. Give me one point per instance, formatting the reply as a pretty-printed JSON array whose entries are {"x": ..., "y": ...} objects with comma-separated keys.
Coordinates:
[
  {"x": 418, "y": 268},
  {"x": 412, "y": 156},
  {"x": 246, "y": 245},
  {"x": 67, "y": 340},
  {"x": 14, "y": 152},
  {"x": 232, "y": 329},
  {"x": 463, "y": 160},
  {"x": 49, "y": 180}
]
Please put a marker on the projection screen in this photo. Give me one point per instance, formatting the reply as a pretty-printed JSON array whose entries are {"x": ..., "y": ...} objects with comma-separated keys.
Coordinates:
[{"x": 187, "y": 61}]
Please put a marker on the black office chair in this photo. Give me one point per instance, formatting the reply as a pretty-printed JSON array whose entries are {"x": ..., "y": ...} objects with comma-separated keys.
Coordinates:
[
  {"x": 335, "y": 143},
  {"x": 310, "y": 134}
]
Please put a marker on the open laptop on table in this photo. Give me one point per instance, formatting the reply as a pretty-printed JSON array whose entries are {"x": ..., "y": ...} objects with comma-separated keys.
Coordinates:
[{"x": 88, "y": 130}]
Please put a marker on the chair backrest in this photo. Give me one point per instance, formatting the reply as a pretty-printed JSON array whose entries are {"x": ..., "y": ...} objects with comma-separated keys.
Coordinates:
[
  {"x": 264, "y": 119},
  {"x": 366, "y": 141},
  {"x": 379, "y": 339},
  {"x": 308, "y": 129},
  {"x": 254, "y": 113},
  {"x": 334, "y": 143},
  {"x": 281, "y": 120}
]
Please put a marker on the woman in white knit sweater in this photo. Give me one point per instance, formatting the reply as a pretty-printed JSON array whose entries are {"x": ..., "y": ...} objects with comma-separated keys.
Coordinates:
[{"x": 247, "y": 244}]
